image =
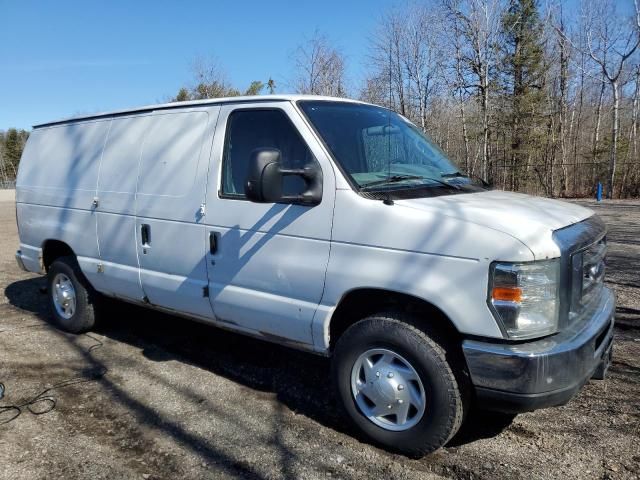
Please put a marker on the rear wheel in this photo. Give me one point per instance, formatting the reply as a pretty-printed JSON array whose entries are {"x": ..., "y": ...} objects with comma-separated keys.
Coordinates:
[
  {"x": 397, "y": 385},
  {"x": 70, "y": 297}
]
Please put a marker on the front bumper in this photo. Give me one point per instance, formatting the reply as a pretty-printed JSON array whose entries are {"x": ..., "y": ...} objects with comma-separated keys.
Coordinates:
[{"x": 547, "y": 372}]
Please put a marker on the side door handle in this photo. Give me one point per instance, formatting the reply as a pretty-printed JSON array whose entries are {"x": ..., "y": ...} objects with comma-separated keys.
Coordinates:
[
  {"x": 213, "y": 243},
  {"x": 145, "y": 235}
]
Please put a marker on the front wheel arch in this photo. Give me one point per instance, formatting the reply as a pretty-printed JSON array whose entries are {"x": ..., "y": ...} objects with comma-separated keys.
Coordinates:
[{"x": 362, "y": 302}]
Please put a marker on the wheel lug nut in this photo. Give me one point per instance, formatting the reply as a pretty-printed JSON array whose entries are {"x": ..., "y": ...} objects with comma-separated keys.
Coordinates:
[
  {"x": 389, "y": 407},
  {"x": 390, "y": 375},
  {"x": 377, "y": 374},
  {"x": 400, "y": 401},
  {"x": 400, "y": 387}
]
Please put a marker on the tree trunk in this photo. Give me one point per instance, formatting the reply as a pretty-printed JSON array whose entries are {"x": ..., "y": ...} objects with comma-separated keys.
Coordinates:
[
  {"x": 485, "y": 130},
  {"x": 596, "y": 134},
  {"x": 569, "y": 137},
  {"x": 422, "y": 105},
  {"x": 518, "y": 92},
  {"x": 564, "y": 74},
  {"x": 614, "y": 138},
  {"x": 465, "y": 137},
  {"x": 400, "y": 81},
  {"x": 578, "y": 130},
  {"x": 634, "y": 120}
]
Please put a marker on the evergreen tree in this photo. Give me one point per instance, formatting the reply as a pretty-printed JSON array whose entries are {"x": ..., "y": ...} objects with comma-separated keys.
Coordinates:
[
  {"x": 12, "y": 148},
  {"x": 523, "y": 77},
  {"x": 183, "y": 95},
  {"x": 216, "y": 88},
  {"x": 255, "y": 88}
]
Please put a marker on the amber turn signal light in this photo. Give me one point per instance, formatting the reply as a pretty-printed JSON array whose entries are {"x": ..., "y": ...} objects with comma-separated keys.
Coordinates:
[{"x": 507, "y": 294}]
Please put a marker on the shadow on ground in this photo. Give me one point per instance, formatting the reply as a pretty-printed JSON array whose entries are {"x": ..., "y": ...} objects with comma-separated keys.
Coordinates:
[{"x": 299, "y": 380}]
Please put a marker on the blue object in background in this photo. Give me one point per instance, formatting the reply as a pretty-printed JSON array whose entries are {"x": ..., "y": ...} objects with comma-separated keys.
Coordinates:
[{"x": 599, "y": 192}]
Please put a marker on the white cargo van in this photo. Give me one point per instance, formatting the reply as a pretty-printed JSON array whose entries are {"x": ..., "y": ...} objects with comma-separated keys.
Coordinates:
[{"x": 332, "y": 226}]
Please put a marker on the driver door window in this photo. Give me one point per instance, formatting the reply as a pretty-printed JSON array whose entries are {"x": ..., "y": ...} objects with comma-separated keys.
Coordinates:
[{"x": 248, "y": 130}]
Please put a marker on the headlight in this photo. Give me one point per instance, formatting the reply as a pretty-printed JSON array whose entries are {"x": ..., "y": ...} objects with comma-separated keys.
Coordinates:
[{"x": 524, "y": 297}]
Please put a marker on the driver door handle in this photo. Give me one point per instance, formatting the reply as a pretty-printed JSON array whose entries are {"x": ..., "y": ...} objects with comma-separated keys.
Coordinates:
[
  {"x": 213, "y": 243},
  {"x": 145, "y": 235}
]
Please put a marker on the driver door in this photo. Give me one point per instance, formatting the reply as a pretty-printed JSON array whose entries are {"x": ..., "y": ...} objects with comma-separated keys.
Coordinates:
[{"x": 266, "y": 261}]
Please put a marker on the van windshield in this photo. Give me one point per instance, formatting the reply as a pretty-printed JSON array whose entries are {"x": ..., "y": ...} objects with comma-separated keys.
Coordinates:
[{"x": 380, "y": 149}]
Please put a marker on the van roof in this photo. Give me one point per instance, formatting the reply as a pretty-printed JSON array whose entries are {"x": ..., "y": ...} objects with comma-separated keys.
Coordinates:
[{"x": 208, "y": 101}]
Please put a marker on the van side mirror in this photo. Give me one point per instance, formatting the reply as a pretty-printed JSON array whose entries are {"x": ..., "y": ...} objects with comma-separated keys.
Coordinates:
[{"x": 265, "y": 177}]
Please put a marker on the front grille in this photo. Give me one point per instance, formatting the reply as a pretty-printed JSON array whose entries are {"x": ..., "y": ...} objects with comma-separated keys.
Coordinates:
[
  {"x": 593, "y": 265},
  {"x": 588, "y": 267},
  {"x": 583, "y": 249}
]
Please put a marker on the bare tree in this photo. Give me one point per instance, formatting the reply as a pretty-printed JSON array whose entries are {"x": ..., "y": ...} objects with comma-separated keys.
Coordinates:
[
  {"x": 407, "y": 57},
  {"x": 320, "y": 68},
  {"x": 563, "y": 85},
  {"x": 610, "y": 44},
  {"x": 632, "y": 151},
  {"x": 459, "y": 90},
  {"x": 271, "y": 86},
  {"x": 211, "y": 80},
  {"x": 375, "y": 90},
  {"x": 388, "y": 57},
  {"x": 457, "y": 68},
  {"x": 478, "y": 21},
  {"x": 422, "y": 56}
]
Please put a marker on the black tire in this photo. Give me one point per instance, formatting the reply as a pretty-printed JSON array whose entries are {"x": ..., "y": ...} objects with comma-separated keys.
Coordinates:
[
  {"x": 440, "y": 373},
  {"x": 83, "y": 317}
]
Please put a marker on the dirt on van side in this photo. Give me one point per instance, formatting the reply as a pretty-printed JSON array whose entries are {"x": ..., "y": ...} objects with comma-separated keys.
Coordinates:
[{"x": 148, "y": 396}]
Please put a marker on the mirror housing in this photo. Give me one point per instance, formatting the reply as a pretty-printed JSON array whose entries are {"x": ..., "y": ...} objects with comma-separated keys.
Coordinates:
[{"x": 264, "y": 180}]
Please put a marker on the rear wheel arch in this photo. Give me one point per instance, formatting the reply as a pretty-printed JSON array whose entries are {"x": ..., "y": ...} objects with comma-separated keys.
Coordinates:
[
  {"x": 71, "y": 299},
  {"x": 53, "y": 249}
]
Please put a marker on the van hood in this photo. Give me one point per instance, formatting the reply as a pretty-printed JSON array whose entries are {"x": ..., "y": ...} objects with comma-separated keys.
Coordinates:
[{"x": 529, "y": 219}]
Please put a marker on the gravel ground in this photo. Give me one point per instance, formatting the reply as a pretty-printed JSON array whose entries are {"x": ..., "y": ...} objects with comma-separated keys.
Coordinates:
[{"x": 151, "y": 396}]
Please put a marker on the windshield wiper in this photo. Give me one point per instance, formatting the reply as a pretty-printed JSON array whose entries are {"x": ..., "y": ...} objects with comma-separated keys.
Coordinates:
[
  {"x": 475, "y": 178},
  {"x": 391, "y": 179},
  {"x": 453, "y": 175},
  {"x": 400, "y": 178}
]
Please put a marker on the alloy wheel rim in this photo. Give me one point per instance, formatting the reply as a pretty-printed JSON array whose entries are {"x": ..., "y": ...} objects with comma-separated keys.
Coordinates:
[
  {"x": 387, "y": 390},
  {"x": 64, "y": 296}
]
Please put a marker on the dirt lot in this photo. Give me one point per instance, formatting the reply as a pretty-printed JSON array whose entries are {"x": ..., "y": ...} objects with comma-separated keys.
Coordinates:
[{"x": 151, "y": 396}]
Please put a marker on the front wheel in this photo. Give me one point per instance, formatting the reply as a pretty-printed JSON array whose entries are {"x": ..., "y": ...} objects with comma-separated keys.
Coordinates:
[{"x": 397, "y": 385}]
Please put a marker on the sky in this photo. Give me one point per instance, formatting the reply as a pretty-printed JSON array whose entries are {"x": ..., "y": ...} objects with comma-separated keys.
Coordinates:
[{"x": 62, "y": 58}]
